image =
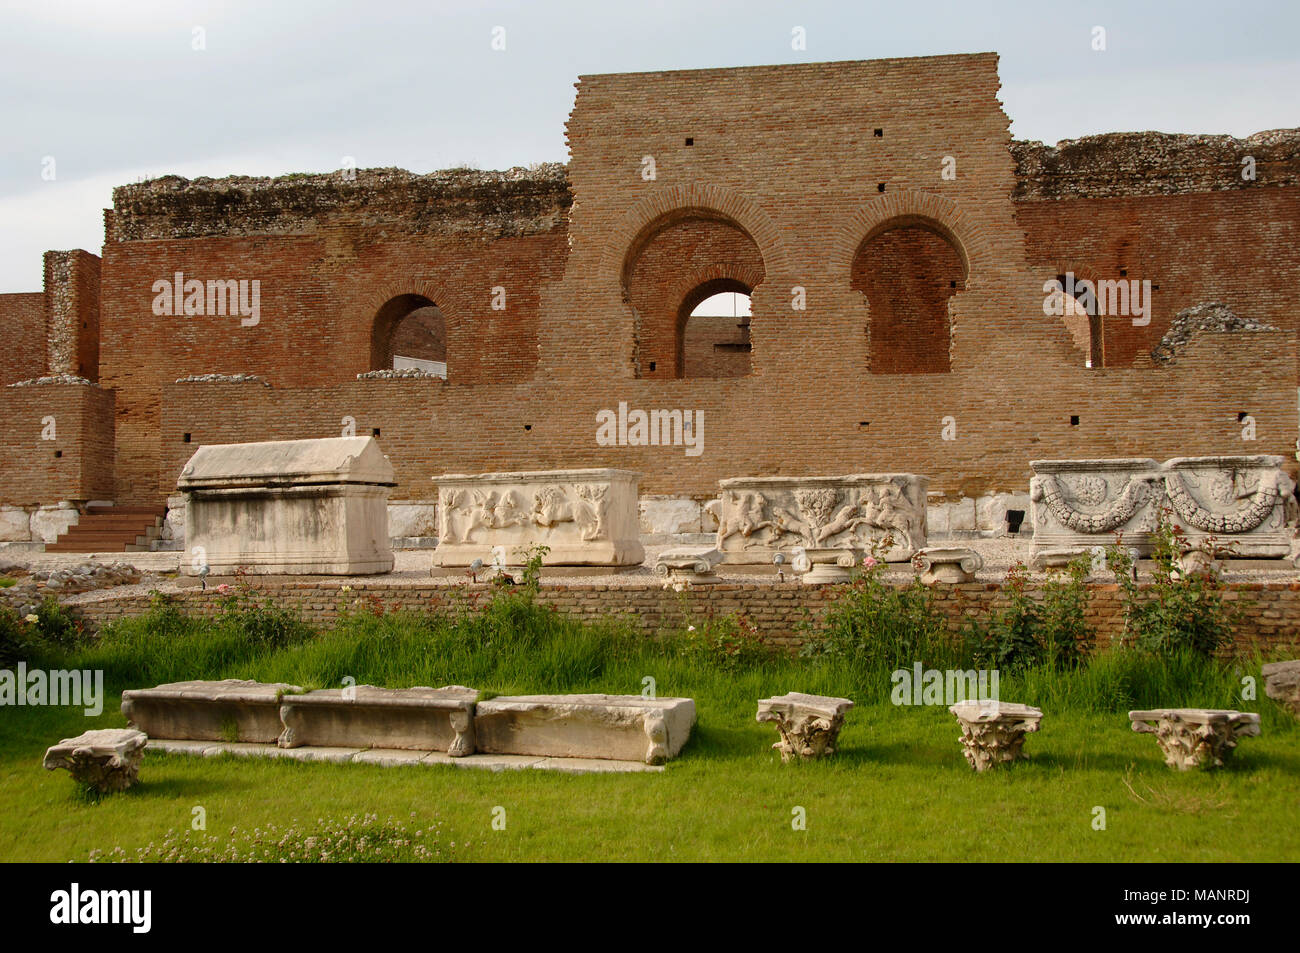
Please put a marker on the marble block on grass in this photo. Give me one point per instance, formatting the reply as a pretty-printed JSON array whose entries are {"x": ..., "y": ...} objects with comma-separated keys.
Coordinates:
[
  {"x": 809, "y": 725},
  {"x": 1282, "y": 684},
  {"x": 613, "y": 727},
  {"x": 228, "y": 710},
  {"x": 418, "y": 719},
  {"x": 1195, "y": 737}
]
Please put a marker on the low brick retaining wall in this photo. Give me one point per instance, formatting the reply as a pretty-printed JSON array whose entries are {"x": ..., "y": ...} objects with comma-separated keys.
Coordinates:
[{"x": 1269, "y": 612}]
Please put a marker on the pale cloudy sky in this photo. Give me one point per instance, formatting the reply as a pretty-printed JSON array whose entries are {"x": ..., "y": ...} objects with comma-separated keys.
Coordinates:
[{"x": 114, "y": 91}]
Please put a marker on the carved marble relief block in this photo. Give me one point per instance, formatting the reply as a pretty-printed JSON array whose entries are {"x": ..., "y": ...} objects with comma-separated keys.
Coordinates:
[
  {"x": 1233, "y": 505},
  {"x": 1228, "y": 505},
  {"x": 584, "y": 517},
  {"x": 761, "y": 516},
  {"x": 1085, "y": 503}
]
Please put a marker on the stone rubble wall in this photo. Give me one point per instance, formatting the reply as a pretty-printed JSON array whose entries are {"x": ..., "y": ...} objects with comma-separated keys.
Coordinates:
[{"x": 1117, "y": 164}]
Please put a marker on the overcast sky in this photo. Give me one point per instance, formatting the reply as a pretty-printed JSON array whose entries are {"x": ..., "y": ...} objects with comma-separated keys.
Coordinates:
[{"x": 114, "y": 90}]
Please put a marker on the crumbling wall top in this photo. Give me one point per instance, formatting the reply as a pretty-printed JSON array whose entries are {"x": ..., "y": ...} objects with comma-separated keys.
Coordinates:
[
  {"x": 1118, "y": 164},
  {"x": 458, "y": 202}
]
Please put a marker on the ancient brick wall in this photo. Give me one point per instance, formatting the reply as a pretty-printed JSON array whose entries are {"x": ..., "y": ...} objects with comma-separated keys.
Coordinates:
[
  {"x": 23, "y": 355},
  {"x": 560, "y": 287},
  {"x": 1238, "y": 247},
  {"x": 783, "y": 614},
  {"x": 1185, "y": 409},
  {"x": 322, "y": 282},
  {"x": 77, "y": 464}
]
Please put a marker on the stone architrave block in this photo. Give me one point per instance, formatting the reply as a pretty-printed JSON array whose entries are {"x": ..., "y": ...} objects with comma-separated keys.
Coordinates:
[
  {"x": 289, "y": 507},
  {"x": 610, "y": 727},
  {"x": 761, "y": 516},
  {"x": 419, "y": 719},
  {"x": 107, "y": 759},
  {"x": 1078, "y": 504},
  {"x": 583, "y": 517},
  {"x": 951, "y": 565},
  {"x": 228, "y": 710},
  {"x": 809, "y": 725},
  {"x": 1282, "y": 684},
  {"x": 993, "y": 732},
  {"x": 1195, "y": 737},
  {"x": 690, "y": 566},
  {"x": 1234, "y": 505}
]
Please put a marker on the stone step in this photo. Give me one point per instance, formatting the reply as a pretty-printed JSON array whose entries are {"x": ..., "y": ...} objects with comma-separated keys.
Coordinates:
[{"x": 111, "y": 529}]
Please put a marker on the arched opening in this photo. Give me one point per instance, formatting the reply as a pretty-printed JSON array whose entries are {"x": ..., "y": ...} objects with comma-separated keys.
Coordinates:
[
  {"x": 714, "y": 335},
  {"x": 908, "y": 269},
  {"x": 409, "y": 333},
  {"x": 1078, "y": 313},
  {"x": 675, "y": 265}
]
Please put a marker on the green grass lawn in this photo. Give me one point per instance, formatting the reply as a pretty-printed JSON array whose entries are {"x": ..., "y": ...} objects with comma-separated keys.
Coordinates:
[{"x": 898, "y": 788}]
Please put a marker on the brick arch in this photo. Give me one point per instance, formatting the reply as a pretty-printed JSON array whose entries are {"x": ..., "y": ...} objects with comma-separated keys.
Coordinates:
[
  {"x": 377, "y": 300},
  {"x": 669, "y": 258},
  {"x": 915, "y": 209},
  {"x": 665, "y": 205},
  {"x": 1086, "y": 334},
  {"x": 702, "y": 284},
  {"x": 738, "y": 271}
]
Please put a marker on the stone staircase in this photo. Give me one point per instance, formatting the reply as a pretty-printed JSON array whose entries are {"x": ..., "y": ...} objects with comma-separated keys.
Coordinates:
[{"x": 111, "y": 529}]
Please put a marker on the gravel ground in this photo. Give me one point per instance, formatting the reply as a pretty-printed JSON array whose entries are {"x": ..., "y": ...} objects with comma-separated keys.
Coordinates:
[{"x": 413, "y": 567}]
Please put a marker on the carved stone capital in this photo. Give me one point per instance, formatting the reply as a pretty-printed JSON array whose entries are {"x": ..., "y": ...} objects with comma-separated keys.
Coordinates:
[
  {"x": 106, "y": 760},
  {"x": 1195, "y": 737},
  {"x": 993, "y": 732},
  {"x": 808, "y": 724}
]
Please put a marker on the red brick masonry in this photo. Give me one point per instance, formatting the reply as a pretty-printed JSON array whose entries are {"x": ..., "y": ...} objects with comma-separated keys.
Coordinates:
[{"x": 782, "y": 612}]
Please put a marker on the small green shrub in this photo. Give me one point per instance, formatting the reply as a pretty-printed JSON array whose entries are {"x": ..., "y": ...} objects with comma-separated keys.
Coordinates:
[
  {"x": 729, "y": 642},
  {"x": 17, "y": 639},
  {"x": 1178, "y": 612},
  {"x": 1027, "y": 632},
  {"x": 875, "y": 627},
  {"x": 46, "y": 634},
  {"x": 264, "y": 626}
]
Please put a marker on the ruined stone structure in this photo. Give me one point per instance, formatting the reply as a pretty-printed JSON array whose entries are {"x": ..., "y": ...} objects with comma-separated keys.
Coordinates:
[{"x": 897, "y": 245}]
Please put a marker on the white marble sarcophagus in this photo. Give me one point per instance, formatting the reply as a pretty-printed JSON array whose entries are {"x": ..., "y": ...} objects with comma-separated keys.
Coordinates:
[
  {"x": 1234, "y": 505},
  {"x": 583, "y": 517},
  {"x": 1239, "y": 503},
  {"x": 761, "y": 516},
  {"x": 289, "y": 506},
  {"x": 1078, "y": 504}
]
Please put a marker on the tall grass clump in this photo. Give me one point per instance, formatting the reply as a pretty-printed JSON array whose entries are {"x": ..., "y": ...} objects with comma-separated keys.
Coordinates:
[
  {"x": 164, "y": 645},
  {"x": 509, "y": 642}
]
